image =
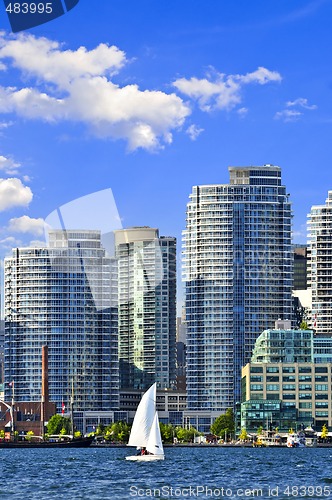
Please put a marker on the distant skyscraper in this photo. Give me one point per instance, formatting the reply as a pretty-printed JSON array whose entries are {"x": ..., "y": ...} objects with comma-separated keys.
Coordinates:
[
  {"x": 62, "y": 296},
  {"x": 320, "y": 266},
  {"x": 238, "y": 266},
  {"x": 300, "y": 267},
  {"x": 147, "y": 308}
]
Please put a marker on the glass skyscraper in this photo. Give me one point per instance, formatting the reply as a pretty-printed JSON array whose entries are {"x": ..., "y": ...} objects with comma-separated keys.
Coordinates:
[
  {"x": 320, "y": 266},
  {"x": 63, "y": 296},
  {"x": 147, "y": 308},
  {"x": 238, "y": 270}
]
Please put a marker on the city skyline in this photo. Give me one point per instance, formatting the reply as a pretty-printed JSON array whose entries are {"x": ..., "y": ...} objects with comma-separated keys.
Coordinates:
[{"x": 185, "y": 91}]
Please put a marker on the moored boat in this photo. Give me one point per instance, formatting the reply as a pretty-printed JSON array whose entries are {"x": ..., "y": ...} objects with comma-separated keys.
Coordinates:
[
  {"x": 295, "y": 440},
  {"x": 55, "y": 442}
]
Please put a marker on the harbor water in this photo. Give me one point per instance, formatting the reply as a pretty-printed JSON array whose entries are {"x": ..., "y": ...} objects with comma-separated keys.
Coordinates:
[{"x": 197, "y": 472}]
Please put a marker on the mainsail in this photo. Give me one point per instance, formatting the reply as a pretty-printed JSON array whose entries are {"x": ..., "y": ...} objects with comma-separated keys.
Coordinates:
[{"x": 143, "y": 421}]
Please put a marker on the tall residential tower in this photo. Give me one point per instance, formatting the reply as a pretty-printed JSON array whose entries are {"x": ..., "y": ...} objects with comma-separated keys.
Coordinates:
[
  {"x": 147, "y": 308},
  {"x": 62, "y": 296},
  {"x": 320, "y": 266},
  {"x": 238, "y": 265}
]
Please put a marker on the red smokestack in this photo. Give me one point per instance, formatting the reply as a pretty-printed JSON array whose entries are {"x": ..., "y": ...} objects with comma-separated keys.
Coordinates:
[{"x": 45, "y": 392}]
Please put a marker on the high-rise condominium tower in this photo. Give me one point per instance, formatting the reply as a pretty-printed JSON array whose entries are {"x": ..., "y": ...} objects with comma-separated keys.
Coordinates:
[
  {"x": 238, "y": 278},
  {"x": 320, "y": 265},
  {"x": 147, "y": 307},
  {"x": 63, "y": 296}
]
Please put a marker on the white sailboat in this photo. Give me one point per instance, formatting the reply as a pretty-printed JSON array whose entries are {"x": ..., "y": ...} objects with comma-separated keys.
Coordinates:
[{"x": 145, "y": 432}]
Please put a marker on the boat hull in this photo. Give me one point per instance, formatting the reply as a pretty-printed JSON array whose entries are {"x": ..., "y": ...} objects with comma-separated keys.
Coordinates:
[
  {"x": 145, "y": 458},
  {"x": 75, "y": 443}
]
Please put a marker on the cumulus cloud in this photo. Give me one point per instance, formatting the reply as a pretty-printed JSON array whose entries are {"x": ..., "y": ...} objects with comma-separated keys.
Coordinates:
[
  {"x": 193, "y": 131},
  {"x": 9, "y": 242},
  {"x": 302, "y": 103},
  {"x": 14, "y": 194},
  {"x": 4, "y": 125},
  {"x": 288, "y": 115},
  {"x": 77, "y": 86},
  {"x": 221, "y": 91},
  {"x": 242, "y": 112},
  {"x": 8, "y": 165},
  {"x": 26, "y": 224},
  {"x": 294, "y": 109},
  {"x": 37, "y": 244}
]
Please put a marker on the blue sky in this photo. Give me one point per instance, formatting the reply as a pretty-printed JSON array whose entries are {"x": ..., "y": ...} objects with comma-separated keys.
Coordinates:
[{"x": 149, "y": 98}]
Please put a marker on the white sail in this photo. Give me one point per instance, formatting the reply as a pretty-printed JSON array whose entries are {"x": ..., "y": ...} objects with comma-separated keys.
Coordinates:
[
  {"x": 144, "y": 417},
  {"x": 154, "y": 444}
]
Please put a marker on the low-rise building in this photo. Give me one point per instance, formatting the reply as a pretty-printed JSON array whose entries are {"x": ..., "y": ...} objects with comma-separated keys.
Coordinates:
[{"x": 289, "y": 373}]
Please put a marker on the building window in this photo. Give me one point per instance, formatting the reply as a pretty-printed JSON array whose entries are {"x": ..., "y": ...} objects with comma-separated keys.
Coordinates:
[
  {"x": 256, "y": 378},
  {"x": 322, "y": 413},
  {"x": 304, "y": 369},
  {"x": 256, "y": 369},
  {"x": 256, "y": 387},
  {"x": 288, "y": 369},
  {"x": 321, "y": 387},
  {"x": 272, "y": 387},
  {"x": 288, "y": 396},
  {"x": 321, "y": 369},
  {"x": 272, "y": 369},
  {"x": 305, "y": 387},
  {"x": 305, "y": 405}
]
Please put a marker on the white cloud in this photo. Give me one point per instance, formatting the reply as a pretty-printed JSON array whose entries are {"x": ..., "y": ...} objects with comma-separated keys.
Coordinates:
[
  {"x": 288, "y": 115},
  {"x": 76, "y": 86},
  {"x": 223, "y": 91},
  {"x": 302, "y": 103},
  {"x": 8, "y": 165},
  {"x": 10, "y": 242},
  {"x": 47, "y": 60},
  {"x": 261, "y": 76},
  {"x": 294, "y": 113},
  {"x": 193, "y": 131},
  {"x": 242, "y": 112},
  {"x": 37, "y": 244},
  {"x": 4, "y": 125},
  {"x": 14, "y": 194},
  {"x": 26, "y": 224}
]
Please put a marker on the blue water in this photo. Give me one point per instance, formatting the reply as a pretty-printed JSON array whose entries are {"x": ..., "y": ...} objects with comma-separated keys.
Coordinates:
[{"x": 206, "y": 472}]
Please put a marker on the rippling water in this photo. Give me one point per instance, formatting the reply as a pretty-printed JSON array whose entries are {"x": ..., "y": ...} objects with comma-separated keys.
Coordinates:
[{"x": 206, "y": 472}]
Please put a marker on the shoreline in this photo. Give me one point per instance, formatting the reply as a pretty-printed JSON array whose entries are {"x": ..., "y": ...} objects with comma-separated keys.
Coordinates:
[{"x": 195, "y": 445}]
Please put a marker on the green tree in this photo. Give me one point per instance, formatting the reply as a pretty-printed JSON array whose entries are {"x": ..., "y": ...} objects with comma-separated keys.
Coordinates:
[
  {"x": 100, "y": 430},
  {"x": 259, "y": 430},
  {"x": 2, "y": 434},
  {"x": 180, "y": 434},
  {"x": 119, "y": 431},
  {"x": 304, "y": 325},
  {"x": 224, "y": 425},
  {"x": 167, "y": 432},
  {"x": 244, "y": 435},
  {"x": 57, "y": 423},
  {"x": 29, "y": 435},
  {"x": 325, "y": 432}
]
